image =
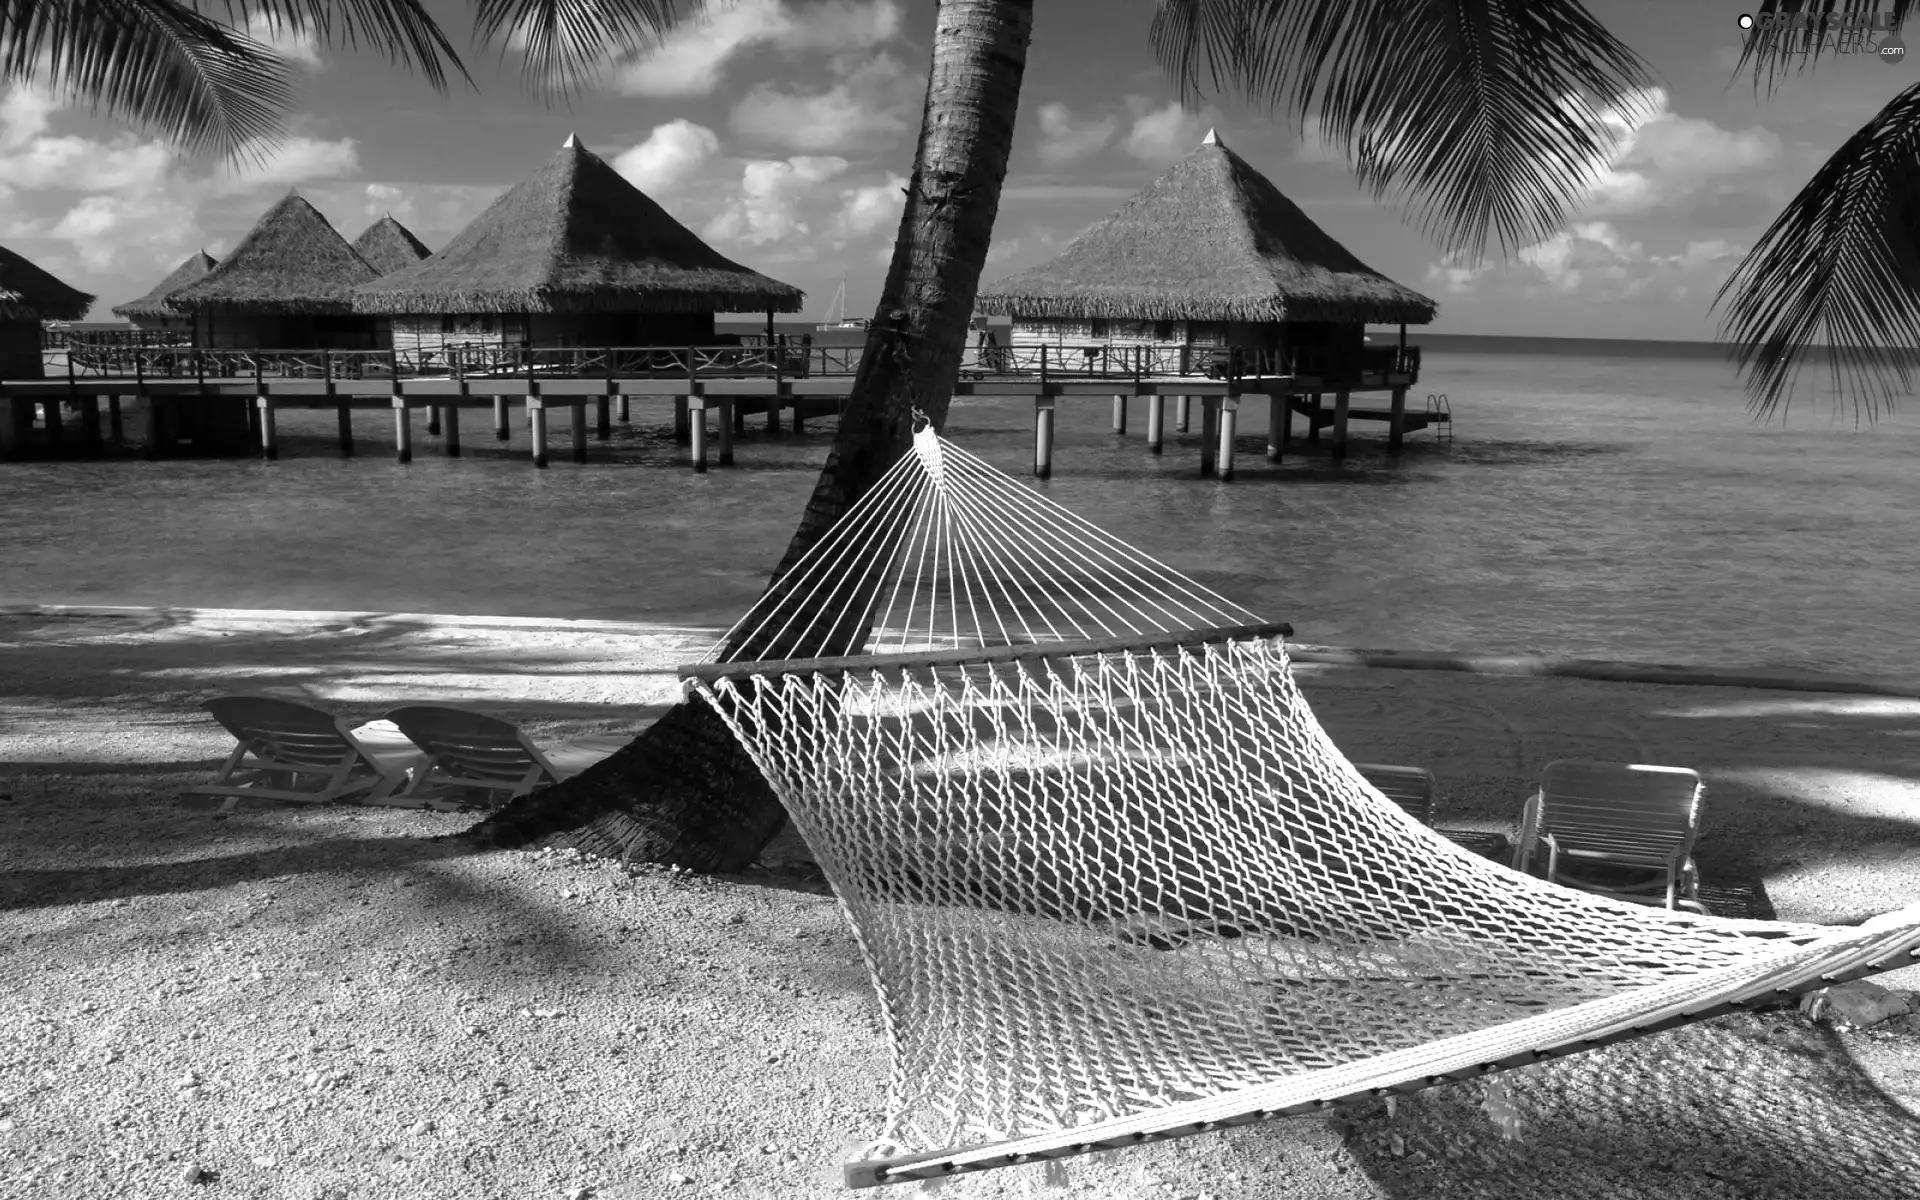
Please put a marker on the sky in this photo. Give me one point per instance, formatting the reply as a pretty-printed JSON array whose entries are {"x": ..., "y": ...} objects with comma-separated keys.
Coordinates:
[{"x": 781, "y": 131}]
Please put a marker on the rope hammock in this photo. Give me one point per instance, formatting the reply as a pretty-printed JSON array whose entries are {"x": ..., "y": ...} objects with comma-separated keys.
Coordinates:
[{"x": 1114, "y": 883}]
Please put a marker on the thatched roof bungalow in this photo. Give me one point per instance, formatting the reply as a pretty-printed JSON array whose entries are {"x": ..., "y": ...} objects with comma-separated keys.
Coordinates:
[
  {"x": 151, "y": 312},
  {"x": 288, "y": 285},
  {"x": 573, "y": 255},
  {"x": 1209, "y": 254},
  {"x": 29, "y": 296},
  {"x": 389, "y": 246}
]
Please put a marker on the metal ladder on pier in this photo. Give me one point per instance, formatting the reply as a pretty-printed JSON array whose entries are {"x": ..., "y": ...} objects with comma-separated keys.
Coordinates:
[{"x": 1439, "y": 417}]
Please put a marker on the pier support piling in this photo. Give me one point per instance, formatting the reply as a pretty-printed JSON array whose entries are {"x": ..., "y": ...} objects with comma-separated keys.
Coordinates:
[
  {"x": 626, "y": 413},
  {"x": 695, "y": 410},
  {"x": 343, "y": 418},
  {"x": 1229, "y": 424},
  {"x": 1120, "y": 415},
  {"x": 1043, "y": 436},
  {"x": 682, "y": 421},
  {"x": 1182, "y": 410},
  {"x": 433, "y": 418},
  {"x": 773, "y": 414},
  {"x": 500, "y": 418},
  {"x": 1397, "y": 420},
  {"x": 1313, "y": 420},
  {"x": 1156, "y": 422},
  {"x": 603, "y": 418},
  {"x": 116, "y": 429},
  {"x": 732, "y": 418},
  {"x": 1209, "y": 433},
  {"x": 739, "y": 412},
  {"x": 1279, "y": 416},
  {"x": 452, "y": 446},
  {"x": 90, "y": 424},
  {"x": 1340, "y": 399},
  {"x": 269, "y": 439},
  {"x": 578, "y": 410},
  {"x": 402, "y": 430},
  {"x": 537, "y": 414}
]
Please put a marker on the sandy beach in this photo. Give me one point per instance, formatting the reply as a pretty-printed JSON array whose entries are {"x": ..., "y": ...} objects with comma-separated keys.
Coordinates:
[{"x": 329, "y": 1002}]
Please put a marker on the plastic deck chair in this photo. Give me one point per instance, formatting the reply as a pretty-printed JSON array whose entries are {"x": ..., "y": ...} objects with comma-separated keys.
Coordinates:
[
  {"x": 470, "y": 752},
  {"x": 1626, "y": 815},
  {"x": 279, "y": 742},
  {"x": 1409, "y": 787}
]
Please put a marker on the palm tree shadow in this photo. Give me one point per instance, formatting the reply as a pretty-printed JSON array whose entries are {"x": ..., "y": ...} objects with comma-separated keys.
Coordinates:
[{"x": 1764, "y": 1106}]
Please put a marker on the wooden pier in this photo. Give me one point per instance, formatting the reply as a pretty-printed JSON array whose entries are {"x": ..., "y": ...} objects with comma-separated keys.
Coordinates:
[{"x": 228, "y": 400}]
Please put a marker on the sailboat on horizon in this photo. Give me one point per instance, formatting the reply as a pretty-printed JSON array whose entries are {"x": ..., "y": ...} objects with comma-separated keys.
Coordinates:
[{"x": 837, "y": 318}]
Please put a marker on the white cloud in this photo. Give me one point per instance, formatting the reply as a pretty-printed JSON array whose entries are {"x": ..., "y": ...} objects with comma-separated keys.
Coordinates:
[
  {"x": 773, "y": 200},
  {"x": 1064, "y": 139},
  {"x": 1160, "y": 135},
  {"x": 1594, "y": 260},
  {"x": 672, "y": 154},
  {"x": 1660, "y": 158},
  {"x": 692, "y": 60},
  {"x": 294, "y": 160},
  {"x": 295, "y": 44},
  {"x": 865, "y": 211},
  {"x": 865, "y": 106}
]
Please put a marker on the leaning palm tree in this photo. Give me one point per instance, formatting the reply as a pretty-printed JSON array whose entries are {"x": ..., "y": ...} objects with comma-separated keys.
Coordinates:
[
  {"x": 1481, "y": 115},
  {"x": 1841, "y": 265}
]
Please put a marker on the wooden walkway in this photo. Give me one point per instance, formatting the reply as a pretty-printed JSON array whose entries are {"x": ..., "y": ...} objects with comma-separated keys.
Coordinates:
[{"x": 236, "y": 412}]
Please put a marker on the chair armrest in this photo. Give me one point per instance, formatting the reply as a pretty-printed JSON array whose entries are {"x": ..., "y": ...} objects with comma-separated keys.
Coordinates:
[{"x": 1529, "y": 829}]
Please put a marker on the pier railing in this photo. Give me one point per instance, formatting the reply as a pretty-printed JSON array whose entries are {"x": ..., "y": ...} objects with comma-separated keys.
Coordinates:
[{"x": 777, "y": 360}]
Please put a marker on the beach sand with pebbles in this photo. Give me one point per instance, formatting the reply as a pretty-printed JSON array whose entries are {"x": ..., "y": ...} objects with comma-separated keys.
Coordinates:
[{"x": 328, "y": 1002}]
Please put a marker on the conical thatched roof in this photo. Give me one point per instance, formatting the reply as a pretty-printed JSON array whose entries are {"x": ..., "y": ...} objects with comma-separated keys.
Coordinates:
[
  {"x": 29, "y": 294},
  {"x": 1210, "y": 240},
  {"x": 150, "y": 305},
  {"x": 576, "y": 237},
  {"x": 389, "y": 246},
  {"x": 291, "y": 262}
]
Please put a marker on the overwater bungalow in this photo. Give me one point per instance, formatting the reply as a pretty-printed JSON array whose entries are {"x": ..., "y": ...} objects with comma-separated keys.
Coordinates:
[
  {"x": 389, "y": 246},
  {"x": 28, "y": 297},
  {"x": 1212, "y": 255},
  {"x": 150, "y": 312},
  {"x": 573, "y": 255},
  {"x": 287, "y": 285}
]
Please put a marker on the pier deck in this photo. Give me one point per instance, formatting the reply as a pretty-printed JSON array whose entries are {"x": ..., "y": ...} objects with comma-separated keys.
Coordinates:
[{"x": 226, "y": 399}]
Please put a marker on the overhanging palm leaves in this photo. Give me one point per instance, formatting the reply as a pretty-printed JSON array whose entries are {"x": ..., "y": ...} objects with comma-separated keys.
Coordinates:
[
  {"x": 566, "y": 43},
  {"x": 169, "y": 66},
  {"x": 1483, "y": 112},
  {"x": 1842, "y": 263}
]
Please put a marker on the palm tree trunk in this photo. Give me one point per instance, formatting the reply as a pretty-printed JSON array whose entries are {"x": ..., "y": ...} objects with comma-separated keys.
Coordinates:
[{"x": 684, "y": 791}]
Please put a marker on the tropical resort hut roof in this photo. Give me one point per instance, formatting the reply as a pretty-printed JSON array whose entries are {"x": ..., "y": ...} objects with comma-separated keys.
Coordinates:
[
  {"x": 152, "y": 307},
  {"x": 291, "y": 263},
  {"x": 1210, "y": 240},
  {"x": 387, "y": 245},
  {"x": 28, "y": 293},
  {"x": 576, "y": 237}
]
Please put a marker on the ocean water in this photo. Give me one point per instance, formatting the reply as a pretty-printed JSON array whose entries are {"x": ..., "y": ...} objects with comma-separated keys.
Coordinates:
[{"x": 1620, "y": 504}]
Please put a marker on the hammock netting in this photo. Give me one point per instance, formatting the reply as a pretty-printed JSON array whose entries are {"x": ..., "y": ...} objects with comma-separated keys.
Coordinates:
[{"x": 1112, "y": 880}]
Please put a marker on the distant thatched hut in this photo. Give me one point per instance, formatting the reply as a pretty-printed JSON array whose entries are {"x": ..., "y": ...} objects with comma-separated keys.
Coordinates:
[
  {"x": 150, "y": 311},
  {"x": 1210, "y": 254},
  {"x": 288, "y": 285},
  {"x": 29, "y": 296},
  {"x": 389, "y": 246},
  {"x": 573, "y": 255}
]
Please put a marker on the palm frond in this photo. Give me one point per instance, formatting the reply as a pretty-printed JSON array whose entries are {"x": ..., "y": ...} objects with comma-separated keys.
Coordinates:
[
  {"x": 401, "y": 30},
  {"x": 156, "y": 63},
  {"x": 567, "y": 43},
  {"x": 1483, "y": 115},
  {"x": 1771, "y": 47},
  {"x": 1842, "y": 262}
]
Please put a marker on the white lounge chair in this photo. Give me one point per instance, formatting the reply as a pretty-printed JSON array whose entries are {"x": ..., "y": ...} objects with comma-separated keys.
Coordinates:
[
  {"x": 1409, "y": 787},
  {"x": 280, "y": 743},
  {"x": 1621, "y": 815},
  {"x": 469, "y": 752}
]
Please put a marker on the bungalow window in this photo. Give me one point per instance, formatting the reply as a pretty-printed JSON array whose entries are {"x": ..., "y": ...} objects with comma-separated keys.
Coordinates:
[
  {"x": 486, "y": 323},
  {"x": 446, "y": 324},
  {"x": 1163, "y": 331},
  {"x": 1098, "y": 328}
]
